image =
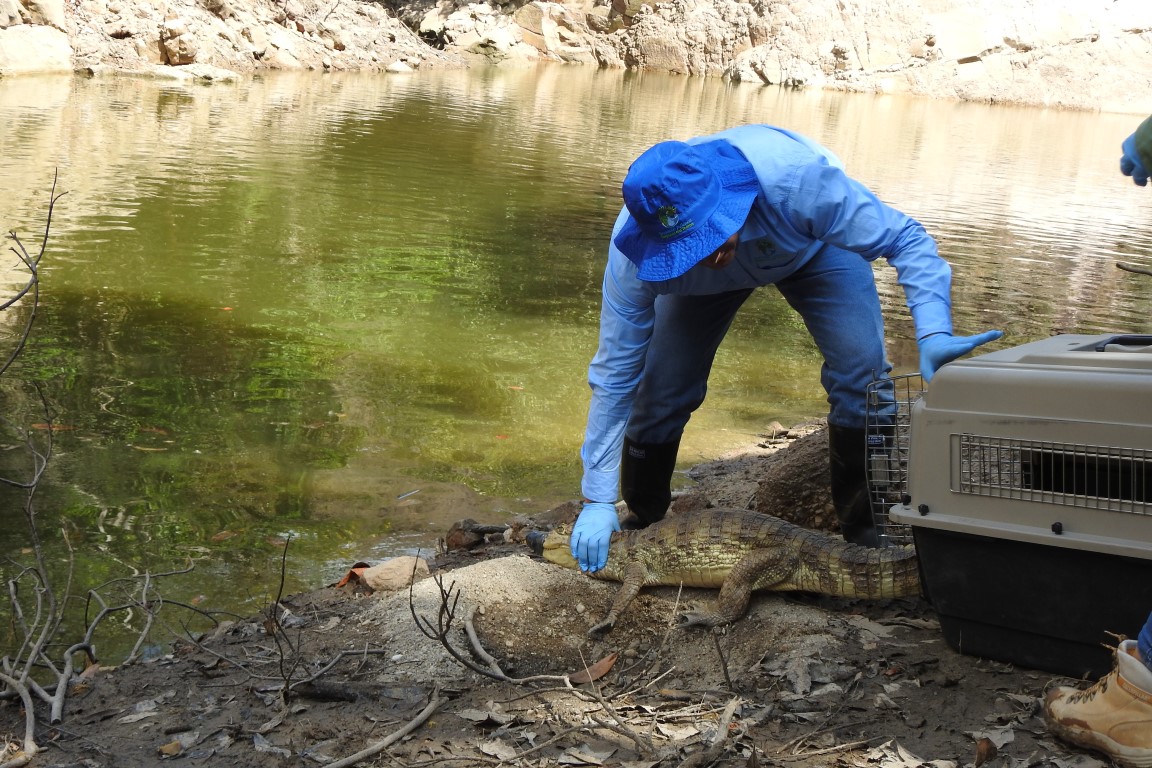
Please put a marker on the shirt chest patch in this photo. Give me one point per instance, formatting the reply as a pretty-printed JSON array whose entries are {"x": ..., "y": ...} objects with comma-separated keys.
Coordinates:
[{"x": 766, "y": 253}]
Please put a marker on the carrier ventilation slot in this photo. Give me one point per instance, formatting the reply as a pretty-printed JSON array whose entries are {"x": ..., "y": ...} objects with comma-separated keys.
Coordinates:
[{"x": 1088, "y": 476}]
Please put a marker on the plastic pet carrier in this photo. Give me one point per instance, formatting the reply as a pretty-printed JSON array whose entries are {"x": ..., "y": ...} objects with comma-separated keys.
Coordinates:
[{"x": 1023, "y": 477}]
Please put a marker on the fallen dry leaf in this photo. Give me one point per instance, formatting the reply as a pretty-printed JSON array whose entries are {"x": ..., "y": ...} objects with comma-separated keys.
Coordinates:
[
  {"x": 594, "y": 672},
  {"x": 985, "y": 751},
  {"x": 353, "y": 574},
  {"x": 171, "y": 749},
  {"x": 485, "y": 717},
  {"x": 498, "y": 749},
  {"x": 677, "y": 732},
  {"x": 585, "y": 755}
]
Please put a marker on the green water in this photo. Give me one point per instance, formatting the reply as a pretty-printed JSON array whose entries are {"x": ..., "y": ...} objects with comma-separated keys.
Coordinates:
[{"x": 349, "y": 310}]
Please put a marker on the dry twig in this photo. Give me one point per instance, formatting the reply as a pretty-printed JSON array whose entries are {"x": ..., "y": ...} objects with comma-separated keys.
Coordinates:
[
  {"x": 718, "y": 742},
  {"x": 435, "y": 703},
  {"x": 289, "y": 660}
]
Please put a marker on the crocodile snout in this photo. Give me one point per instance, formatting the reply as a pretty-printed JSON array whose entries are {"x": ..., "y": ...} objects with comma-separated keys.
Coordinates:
[{"x": 535, "y": 542}]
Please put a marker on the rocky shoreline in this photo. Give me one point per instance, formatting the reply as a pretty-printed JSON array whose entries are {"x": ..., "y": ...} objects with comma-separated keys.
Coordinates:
[{"x": 1074, "y": 54}]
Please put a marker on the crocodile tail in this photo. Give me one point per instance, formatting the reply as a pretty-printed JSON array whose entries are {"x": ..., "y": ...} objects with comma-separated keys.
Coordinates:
[{"x": 877, "y": 573}]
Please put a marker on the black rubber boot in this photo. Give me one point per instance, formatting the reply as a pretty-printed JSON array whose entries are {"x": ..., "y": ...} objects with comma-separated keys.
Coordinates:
[
  {"x": 535, "y": 541},
  {"x": 848, "y": 466},
  {"x": 646, "y": 480}
]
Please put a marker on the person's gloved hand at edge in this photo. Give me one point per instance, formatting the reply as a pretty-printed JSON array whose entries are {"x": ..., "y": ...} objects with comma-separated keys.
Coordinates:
[
  {"x": 1130, "y": 164},
  {"x": 592, "y": 533},
  {"x": 941, "y": 348},
  {"x": 1137, "y": 153}
]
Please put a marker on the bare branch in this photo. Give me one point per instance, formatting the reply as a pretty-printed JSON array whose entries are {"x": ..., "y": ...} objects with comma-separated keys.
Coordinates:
[
  {"x": 33, "y": 286},
  {"x": 395, "y": 736},
  {"x": 30, "y": 748},
  {"x": 477, "y": 648},
  {"x": 717, "y": 743},
  {"x": 64, "y": 679}
]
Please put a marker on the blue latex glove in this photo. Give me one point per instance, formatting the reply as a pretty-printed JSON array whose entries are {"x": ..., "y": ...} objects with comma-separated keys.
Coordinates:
[
  {"x": 591, "y": 534},
  {"x": 1130, "y": 164},
  {"x": 941, "y": 348}
]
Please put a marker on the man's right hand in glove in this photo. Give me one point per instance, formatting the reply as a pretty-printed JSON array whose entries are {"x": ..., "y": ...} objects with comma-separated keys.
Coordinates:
[
  {"x": 591, "y": 534},
  {"x": 1137, "y": 153},
  {"x": 1130, "y": 164}
]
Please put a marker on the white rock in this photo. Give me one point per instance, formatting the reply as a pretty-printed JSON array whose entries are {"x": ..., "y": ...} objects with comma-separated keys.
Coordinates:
[{"x": 27, "y": 49}]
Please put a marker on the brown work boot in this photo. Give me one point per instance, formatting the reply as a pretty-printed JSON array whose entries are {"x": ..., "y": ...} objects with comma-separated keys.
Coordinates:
[{"x": 1114, "y": 716}]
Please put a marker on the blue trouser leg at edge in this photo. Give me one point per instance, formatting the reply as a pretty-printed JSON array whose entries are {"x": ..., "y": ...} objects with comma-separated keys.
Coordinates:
[{"x": 1144, "y": 642}]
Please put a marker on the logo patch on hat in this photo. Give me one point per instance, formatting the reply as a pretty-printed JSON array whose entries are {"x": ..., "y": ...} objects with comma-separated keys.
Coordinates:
[{"x": 669, "y": 218}]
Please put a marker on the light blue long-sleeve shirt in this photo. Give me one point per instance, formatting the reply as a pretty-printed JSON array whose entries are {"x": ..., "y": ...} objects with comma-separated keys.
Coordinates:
[{"x": 806, "y": 202}]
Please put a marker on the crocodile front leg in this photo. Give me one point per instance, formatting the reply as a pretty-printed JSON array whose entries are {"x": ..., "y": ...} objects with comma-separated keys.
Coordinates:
[
  {"x": 759, "y": 569},
  {"x": 634, "y": 579}
]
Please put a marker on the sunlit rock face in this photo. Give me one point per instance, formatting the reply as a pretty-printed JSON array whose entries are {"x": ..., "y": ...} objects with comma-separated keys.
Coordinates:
[{"x": 1086, "y": 54}]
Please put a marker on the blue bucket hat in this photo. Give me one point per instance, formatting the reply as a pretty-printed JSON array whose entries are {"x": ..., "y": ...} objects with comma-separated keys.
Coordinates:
[{"x": 685, "y": 200}]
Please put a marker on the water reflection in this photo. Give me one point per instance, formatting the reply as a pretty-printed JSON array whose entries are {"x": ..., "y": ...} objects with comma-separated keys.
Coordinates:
[{"x": 279, "y": 307}]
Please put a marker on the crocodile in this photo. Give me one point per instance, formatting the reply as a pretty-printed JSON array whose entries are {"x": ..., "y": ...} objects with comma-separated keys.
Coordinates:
[{"x": 738, "y": 551}]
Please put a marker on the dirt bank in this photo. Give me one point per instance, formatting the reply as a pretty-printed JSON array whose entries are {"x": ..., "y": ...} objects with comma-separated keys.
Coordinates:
[{"x": 800, "y": 681}]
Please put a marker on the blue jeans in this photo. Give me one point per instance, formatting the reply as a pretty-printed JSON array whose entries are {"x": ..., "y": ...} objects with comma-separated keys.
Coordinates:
[
  {"x": 1144, "y": 642},
  {"x": 834, "y": 293}
]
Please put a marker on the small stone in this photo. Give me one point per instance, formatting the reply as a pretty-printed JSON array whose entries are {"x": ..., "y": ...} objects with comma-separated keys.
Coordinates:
[{"x": 174, "y": 26}]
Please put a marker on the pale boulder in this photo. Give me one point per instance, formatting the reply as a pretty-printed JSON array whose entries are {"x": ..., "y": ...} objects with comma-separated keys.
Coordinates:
[
  {"x": 50, "y": 12},
  {"x": 552, "y": 29},
  {"x": 962, "y": 33},
  {"x": 432, "y": 23},
  {"x": 257, "y": 40},
  {"x": 27, "y": 49},
  {"x": 11, "y": 13},
  {"x": 496, "y": 40},
  {"x": 179, "y": 44},
  {"x": 395, "y": 574}
]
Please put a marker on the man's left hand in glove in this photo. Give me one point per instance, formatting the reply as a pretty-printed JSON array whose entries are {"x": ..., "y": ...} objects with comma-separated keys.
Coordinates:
[{"x": 941, "y": 348}]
